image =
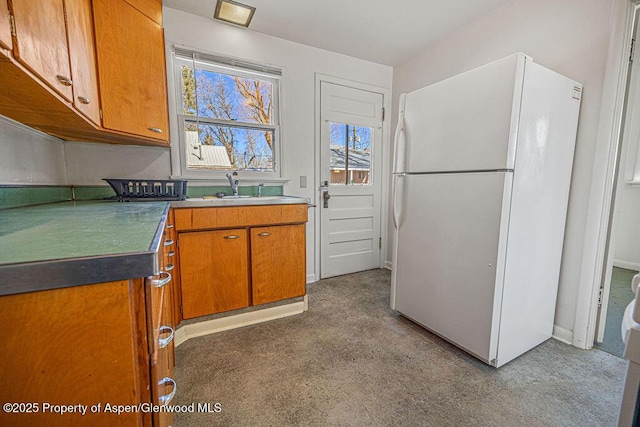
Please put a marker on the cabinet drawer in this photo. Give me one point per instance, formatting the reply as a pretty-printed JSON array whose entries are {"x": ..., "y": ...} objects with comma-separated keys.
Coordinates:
[{"x": 226, "y": 217}]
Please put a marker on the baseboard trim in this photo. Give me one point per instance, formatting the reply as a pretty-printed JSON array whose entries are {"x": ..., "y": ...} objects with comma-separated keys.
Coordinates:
[
  {"x": 388, "y": 265},
  {"x": 626, "y": 264},
  {"x": 213, "y": 326},
  {"x": 311, "y": 278},
  {"x": 563, "y": 335}
]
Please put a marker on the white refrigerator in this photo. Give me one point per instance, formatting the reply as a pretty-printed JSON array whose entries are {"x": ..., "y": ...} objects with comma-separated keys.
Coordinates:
[{"x": 482, "y": 169}]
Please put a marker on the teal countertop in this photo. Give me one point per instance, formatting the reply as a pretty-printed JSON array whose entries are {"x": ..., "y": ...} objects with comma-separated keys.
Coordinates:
[{"x": 74, "y": 243}]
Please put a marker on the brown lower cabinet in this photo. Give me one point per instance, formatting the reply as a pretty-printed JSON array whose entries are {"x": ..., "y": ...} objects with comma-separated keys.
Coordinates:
[
  {"x": 213, "y": 268},
  {"x": 278, "y": 263},
  {"x": 98, "y": 348},
  {"x": 235, "y": 257}
]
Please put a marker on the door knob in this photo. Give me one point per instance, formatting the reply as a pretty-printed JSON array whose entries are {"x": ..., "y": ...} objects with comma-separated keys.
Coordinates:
[{"x": 325, "y": 198}]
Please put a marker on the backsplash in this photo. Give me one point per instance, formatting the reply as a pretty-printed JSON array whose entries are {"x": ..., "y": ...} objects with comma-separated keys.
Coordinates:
[
  {"x": 12, "y": 196},
  {"x": 16, "y": 196}
]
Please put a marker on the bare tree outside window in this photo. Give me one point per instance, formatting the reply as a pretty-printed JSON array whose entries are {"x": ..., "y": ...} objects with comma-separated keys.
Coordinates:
[{"x": 227, "y": 111}]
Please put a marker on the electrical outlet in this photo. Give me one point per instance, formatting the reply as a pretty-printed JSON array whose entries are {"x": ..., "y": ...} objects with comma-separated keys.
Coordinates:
[{"x": 303, "y": 181}]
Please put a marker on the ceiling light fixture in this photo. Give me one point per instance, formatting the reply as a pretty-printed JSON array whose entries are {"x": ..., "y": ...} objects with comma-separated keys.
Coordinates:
[{"x": 234, "y": 12}]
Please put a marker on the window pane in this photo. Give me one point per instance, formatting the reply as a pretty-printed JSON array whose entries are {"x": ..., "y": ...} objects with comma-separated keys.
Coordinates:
[
  {"x": 350, "y": 159},
  {"x": 223, "y": 96},
  {"x": 228, "y": 148}
]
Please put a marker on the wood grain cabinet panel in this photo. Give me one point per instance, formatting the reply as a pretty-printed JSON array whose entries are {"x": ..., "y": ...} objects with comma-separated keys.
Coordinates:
[
  {"x": 278, "y": 263},
  {"x": 151, "y": 8},
  {"x": 264, "y": 262},
  {"x": 78, "y": 345},
  {"x": 5, "y": 27},
  {"x": 83, "y": 58},
  {"x": 40, "y": 42},
  {"x": 243, "y": 216},
  {"x": 131, "y": 70},
  {"x": 214, "y": 271}
]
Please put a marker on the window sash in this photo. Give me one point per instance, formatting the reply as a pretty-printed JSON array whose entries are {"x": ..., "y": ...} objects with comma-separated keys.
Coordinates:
[{"x": 228, "y": 66}]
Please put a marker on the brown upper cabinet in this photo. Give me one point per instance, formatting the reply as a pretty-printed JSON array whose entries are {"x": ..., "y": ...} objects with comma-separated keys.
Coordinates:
[
  {"x": 5, "y": 26},
  {"x": 131, "y": 66},
  {"x": 86, "y": 70},
  {"x": 40, "y": 42},
  {"x": 83, "y": 58},
  {"x": 151, "y": 8}
]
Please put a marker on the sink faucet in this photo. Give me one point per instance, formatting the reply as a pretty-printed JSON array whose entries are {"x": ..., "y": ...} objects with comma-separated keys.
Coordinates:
[{"x": 233, "y": 183}]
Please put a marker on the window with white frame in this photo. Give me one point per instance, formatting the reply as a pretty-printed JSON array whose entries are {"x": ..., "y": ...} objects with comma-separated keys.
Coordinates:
[{"x": 228, "y": 114}]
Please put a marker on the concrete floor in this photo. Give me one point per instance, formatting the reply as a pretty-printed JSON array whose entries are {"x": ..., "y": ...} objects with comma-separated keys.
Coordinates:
[{"x": 351, "y": 361}]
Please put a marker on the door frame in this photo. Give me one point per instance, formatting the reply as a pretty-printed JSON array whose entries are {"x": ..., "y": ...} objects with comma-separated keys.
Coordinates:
[
  {"x": 386, "y": 164},
  {"x": 595, "y": 265}
]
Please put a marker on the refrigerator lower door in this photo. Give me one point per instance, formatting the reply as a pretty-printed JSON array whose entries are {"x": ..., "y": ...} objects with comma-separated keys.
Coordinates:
[{"x": 449, "y": 268}]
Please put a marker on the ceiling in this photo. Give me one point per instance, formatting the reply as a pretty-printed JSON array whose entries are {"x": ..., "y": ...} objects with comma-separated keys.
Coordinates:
[{"x": 383, "y": 31}]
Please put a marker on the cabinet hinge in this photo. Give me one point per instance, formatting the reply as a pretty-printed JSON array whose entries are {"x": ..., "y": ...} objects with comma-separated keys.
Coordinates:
[
  {"x": 12, "y": 24},
  {"x": 180, "y": 310},
  {"x": 383, "y": 114},
  {"x": 380, "y": 243},
  {"x": 632, "y": 50}
]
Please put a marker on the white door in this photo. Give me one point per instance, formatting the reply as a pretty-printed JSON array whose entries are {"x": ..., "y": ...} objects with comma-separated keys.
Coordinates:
[{"x": 351, "y": 165}]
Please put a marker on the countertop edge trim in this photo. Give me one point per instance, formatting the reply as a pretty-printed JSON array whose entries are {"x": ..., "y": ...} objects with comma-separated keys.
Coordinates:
[{"x": 55, "y": 274}]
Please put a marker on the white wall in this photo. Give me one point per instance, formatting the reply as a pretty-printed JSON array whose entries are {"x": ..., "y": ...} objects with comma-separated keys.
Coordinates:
[
  {"x": 626, "y": 221},
  {"x": 89, "y": 163},
  {"x": 29, "y": 157},
  {"x": 627, "y": 227},
  {"x": 568, "y": 36}
]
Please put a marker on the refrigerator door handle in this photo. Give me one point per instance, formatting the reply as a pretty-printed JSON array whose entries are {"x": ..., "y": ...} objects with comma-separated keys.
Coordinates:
[
  {"x": 398, "y": 196},
  {"x": 399, "y": 143}
]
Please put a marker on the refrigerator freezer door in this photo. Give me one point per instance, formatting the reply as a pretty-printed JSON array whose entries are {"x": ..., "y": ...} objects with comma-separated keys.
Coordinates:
[
  {"x": 448, "y": 268},
  {"x": 466, "y": 122}
]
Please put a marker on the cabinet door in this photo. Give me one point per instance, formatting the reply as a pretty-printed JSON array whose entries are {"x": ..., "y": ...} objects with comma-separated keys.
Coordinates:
[
  {"x": 83, "y": 58},
  {"x": 278, "y": 263},
  {"x": 131, "y": 69},
  {"x": 5, "y": 27},
  {"x": 40, "y": 43},
  {"x": 77, "y": 344},
  {"x": 151, "y": 8},
  {"x": 214, "y": 276}
]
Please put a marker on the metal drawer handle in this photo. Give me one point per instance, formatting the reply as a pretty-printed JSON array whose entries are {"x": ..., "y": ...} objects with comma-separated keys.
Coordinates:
[
  {"x": 164, "y": 400},
  {"x": 169, "y": 225},
  {"x": 163, "y": 342},
  {"x": 84, "y": 100},
  {"x": 265, "y": 234},
  {"x": 163, "y": 280},
  {"x": 156, "y": 130},
  {"x": 169, "y": 267},
  {"x": 64, "y": 80},
  {"x": 168, "y": 242},
  {"x": 233, "y": 236},
  {"x": 171, "y": 253}
]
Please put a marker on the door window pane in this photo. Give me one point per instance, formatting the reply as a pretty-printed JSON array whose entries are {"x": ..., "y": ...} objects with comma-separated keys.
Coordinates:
[{"x": 350, "y": 159}]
